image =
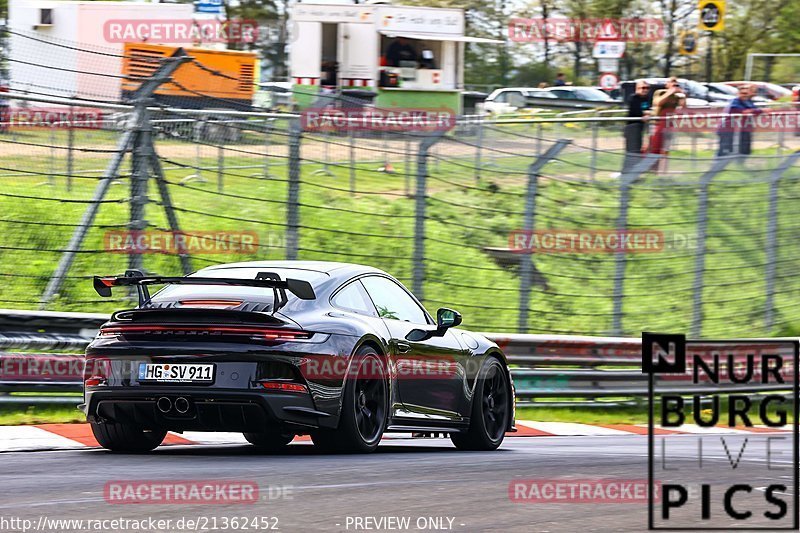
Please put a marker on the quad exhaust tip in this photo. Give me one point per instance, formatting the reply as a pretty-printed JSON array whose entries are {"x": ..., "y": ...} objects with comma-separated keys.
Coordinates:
[
  {"x": 164, "y": 404},
  {"x": 182, "y": 405}
]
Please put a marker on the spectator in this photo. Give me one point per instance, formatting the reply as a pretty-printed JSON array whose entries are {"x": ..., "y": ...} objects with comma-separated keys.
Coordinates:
[
  {"x": 543, "y": 85},
  {"x": 741, "y": 105},
  {"x": 665, "y": 102},
  {"x": 638, "y": 107},
  {"x": 560, "y": 80}
]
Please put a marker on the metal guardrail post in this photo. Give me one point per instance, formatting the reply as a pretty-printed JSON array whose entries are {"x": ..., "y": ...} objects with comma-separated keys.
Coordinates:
[
  {"x": 526, "y": 264},
  {"x": 700, "y": 255},
  {"x": 418, "y": 281},
  {"x": 293, "y": 196},
  {"x": 772, "y": 236},
  {"x": 627, "y": 179}
]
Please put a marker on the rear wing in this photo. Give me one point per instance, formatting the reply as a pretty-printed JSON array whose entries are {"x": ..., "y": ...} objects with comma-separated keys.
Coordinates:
[{"x": 265, "y": 280}]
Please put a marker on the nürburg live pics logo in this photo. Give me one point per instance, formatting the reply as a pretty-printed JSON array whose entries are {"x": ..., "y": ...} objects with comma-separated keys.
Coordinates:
[{"x": 723, "y": 433}]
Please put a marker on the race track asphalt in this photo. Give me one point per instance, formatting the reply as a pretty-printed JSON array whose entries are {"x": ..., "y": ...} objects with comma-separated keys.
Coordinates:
[{"x": 418, "y": 479}]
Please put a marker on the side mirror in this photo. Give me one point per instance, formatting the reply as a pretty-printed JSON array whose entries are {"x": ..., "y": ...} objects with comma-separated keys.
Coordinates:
[{"x": 447, "y": 318}]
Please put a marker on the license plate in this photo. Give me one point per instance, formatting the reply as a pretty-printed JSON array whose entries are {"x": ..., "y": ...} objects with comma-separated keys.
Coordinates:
[{"x": 176, "y": 373}]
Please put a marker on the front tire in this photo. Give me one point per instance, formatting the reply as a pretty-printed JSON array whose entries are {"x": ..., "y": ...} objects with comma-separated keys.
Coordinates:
[
  {"x": 267, "y": 441},
  {"x": 364, "y": 407},
  {"x": 127, "y": 438},
  {"x": 491, "y": 410}
]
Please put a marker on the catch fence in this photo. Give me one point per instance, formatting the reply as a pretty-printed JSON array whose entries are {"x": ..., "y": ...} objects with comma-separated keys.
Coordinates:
[{"x": 527, "y": 223}]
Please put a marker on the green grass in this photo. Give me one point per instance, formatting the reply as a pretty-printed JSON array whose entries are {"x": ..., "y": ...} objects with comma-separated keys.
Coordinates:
[
  {"x": 376, "y": 226},
  {"x": 15, "y": 415}
]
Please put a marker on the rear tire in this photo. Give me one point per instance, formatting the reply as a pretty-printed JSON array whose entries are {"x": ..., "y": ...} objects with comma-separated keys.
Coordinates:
[
  {"x": 491, "y": 410},
  {"x": 127, "y": 438},
  {"x": 269, "y": 441},
  {"x": 365, "y": 404}
]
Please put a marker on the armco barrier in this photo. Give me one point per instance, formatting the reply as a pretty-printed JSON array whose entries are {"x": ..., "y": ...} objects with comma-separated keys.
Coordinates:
[{"x": 41, "y": 352}]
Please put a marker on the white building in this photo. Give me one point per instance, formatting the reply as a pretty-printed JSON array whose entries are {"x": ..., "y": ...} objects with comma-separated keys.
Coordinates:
[{"x": 67, "y": 48}]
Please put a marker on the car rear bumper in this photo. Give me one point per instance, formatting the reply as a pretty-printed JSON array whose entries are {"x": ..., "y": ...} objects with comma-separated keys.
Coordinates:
[{"x": 208, "y": 409}]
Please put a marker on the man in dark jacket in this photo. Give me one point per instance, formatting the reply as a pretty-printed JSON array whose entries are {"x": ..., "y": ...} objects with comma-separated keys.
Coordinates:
[
  {"x": 744, "y": 107},
  {"x": 638, "y": 107}
]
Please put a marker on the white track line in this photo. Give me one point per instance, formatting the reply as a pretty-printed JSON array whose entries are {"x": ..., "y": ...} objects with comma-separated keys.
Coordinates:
[{"x": 572, "y": 428}]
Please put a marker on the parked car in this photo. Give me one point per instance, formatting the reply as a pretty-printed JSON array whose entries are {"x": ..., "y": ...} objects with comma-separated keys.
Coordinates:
[
  {"x": 770, "y": 91},
  {"x": 511, "y": 99},
  {"x": 275, "y": 349},
  {"x": 722, "y": 92},
  {"x": 697, "y": 94}
]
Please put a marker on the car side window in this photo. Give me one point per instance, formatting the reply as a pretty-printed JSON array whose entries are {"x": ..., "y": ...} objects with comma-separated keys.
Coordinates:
[
  {"x": 392, "y": 301},
  {"x": 567, "y": 95},
  {"x": 353, "y": 297},
  {"x": 516, "y": 99}
]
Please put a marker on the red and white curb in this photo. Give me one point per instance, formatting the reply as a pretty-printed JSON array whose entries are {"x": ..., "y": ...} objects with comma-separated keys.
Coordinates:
[{"x": 79, "y": 436}]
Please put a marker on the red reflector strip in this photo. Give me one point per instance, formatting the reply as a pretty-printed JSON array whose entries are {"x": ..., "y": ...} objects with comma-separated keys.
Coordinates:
[
  {"x": 210, "y": 303},
  {"x": 108, "y": 282},
  {"x": 95, "y": 381},
  {"x": 284, "y": 386},
  {"x": 267, "y": 334}
]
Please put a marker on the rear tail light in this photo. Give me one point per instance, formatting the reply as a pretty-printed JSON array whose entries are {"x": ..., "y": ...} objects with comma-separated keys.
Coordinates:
[
  {"x": 284, "y": 386},
  {"x": 255, "y": 333},
  {"x": 95, "y": 381},
  {"x": 96, "y": 372}
]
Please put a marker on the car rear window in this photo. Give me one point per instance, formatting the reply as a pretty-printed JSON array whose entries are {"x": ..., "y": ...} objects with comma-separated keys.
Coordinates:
[{"x": 249, "y": 294}]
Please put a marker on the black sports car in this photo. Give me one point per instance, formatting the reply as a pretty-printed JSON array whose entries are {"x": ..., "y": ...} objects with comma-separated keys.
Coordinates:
[{"x": 276, "y": 349}]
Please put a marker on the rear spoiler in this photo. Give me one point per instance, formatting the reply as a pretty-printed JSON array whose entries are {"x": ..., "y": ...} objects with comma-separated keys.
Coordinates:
[{"x": 266, "y": 280}]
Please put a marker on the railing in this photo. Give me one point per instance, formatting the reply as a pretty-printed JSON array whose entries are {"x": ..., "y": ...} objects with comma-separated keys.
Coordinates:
[{"x": 547, "y": 369}]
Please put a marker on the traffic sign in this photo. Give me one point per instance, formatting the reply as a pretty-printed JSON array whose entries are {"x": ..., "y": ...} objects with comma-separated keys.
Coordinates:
[
  {"x": 612, "y": 49},
  {"x": 609, "y": 80},
  {"x": 211, "y": 7},
  {"x": 712, "y": 15},
  {"x": 688, "y": 43},
  {"x": 608, "y": 64}
]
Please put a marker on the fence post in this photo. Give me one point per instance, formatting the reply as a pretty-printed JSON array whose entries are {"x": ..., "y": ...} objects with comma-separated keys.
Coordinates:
[
  {"x": 352, "y": 162},
  {"x": 772, "y": 236},
  {"x": 700, "y": 255},
  {"x": 478, "y": 145},
  {"x": 526, "y": 261},
  {"x": 293, "y": 196},
  {"x": 627, "y": 179},
  {"x": 138, "y": 187},
  {"x": 70, "y": 150},
  {"x": 220, "y": 163},
  {"x": 141, "y": 99},
  {"x": 418, "y": 280},
  {"x": 593, "y": 163}
]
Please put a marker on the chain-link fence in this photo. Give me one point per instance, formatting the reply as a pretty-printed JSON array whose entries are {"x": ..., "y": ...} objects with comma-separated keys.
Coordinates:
[{"x": 522, "y": 224}]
